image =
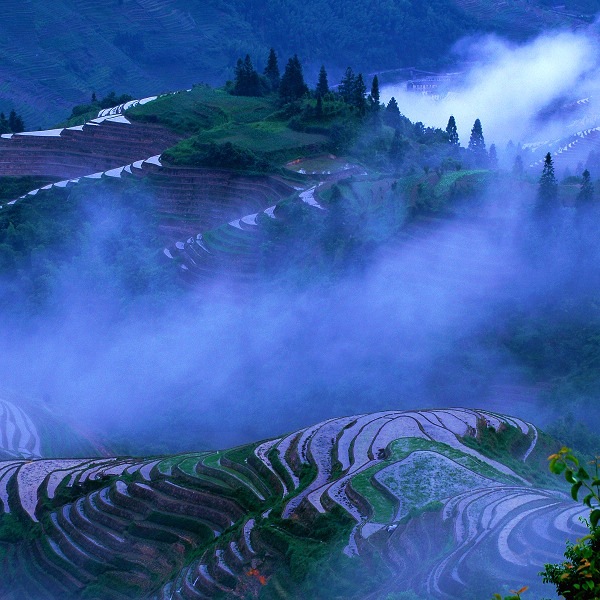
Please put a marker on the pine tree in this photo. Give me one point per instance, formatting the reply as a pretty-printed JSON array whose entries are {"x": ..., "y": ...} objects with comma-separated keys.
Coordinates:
[
  {"x": 375, "y": 93},
  {"x": 15, "y": 122},
  {"x": 292, "y": 86},
  {"x": 272, "y": 70},
  {"x": 358, "y": 96},
  {"x": 252, "y": 78},
  {"x": 493, "y": 157},
  {"x": 247, "y": 81},
  {"x": 548, "y": 187},
  {"x": 452, "y": 131},
  {"x": 347, "y": 85},
  {"x": 94, "y": 99},
  {"x": 322, "y": 84},
  {"x": 586, "y": 193},
  {"x": 12, "y": 120},
  {"x": 391, "y": 116},
  {"x": 476, "y": 141}
]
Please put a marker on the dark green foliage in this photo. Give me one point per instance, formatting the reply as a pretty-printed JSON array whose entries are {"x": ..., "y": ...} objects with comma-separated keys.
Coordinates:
[
  {"x": 547, "y": 197},
  {"x": 14, "y": 123},
  {"x": 352, "y": 89},
  {"x": 247, "y": 81},
  {"x": 347, "y": 86},
  {"x": 319, "y": 107},
  {"x": 96, "y": 105},
  {"x": 224, "y": 156},
  {"x": 292, "y": 86},
  {"x": 477, "y": 144},
  {"x": 272, "y": 70},
  {"x": 358, "y": 97},
  {"x": 391, "y": 116},
  {"x": 452, "y": 131},
  {"x": 586, "y": 193},
  {"x": 322, "y": 84},
  {"x": 375, "y": 92},
  {"x": 13, "y": 187},
  {"x": 578, "y": 578},
  {"x": 13, "y": 529}
]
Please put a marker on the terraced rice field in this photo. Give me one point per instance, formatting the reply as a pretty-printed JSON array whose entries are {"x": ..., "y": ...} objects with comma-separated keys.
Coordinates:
[
  {"x": 103, "y": 143},
  {"x": 19, "y": 436},
  {"x": 569, "y": 152},
  {"x": 201, "y": 525}
]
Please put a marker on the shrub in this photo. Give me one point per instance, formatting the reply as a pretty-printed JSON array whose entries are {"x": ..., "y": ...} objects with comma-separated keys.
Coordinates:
[{"x": 578, "y": 578}]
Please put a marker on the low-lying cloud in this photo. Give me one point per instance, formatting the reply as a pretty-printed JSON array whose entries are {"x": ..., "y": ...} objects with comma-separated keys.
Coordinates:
[
  {"x": 218, "y": 369},
  {"x": 506, "y": 84}
]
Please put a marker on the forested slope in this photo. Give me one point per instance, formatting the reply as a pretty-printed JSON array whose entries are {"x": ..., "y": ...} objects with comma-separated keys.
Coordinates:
[{"x": 53, "y": 56}]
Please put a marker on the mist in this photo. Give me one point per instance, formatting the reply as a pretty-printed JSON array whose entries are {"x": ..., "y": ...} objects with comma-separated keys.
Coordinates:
[
  {"x": 215, "y": 366},
  {"x": 506, "y": 85}
]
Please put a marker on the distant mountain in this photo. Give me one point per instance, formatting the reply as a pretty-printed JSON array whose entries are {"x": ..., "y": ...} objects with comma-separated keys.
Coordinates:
[{"x": 54, "y": 55}]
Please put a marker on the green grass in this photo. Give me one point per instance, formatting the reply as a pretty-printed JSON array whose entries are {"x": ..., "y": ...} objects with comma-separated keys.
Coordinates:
[
  {"x": 179, "y": 460},
  {"x": 450, "y": 178},
  {"x": 383, "y": 507},
  {"x": 213, "y": 462},
  {"x": 184, "y": 112}
]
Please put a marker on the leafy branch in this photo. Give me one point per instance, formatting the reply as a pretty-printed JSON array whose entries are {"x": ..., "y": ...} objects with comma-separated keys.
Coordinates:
[{"x": 579, "y": 577}]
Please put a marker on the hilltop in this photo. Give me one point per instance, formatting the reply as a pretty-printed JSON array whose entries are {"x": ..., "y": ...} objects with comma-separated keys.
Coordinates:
[
  {"x": 53, "y": 57},
  {"x": 353, "y": 507}
]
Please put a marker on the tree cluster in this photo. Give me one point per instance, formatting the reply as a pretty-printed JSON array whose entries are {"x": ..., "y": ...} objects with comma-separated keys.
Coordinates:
[
  {"x": 108, "y": 101},
  {"x": 247, "y": 81},
  {"x": 14, "y": 123},
  {"x": 352, "y": 89},
  {"x": 290, "y": 86}
]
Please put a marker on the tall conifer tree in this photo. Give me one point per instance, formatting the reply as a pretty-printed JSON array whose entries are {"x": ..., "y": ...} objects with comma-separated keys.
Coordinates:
[
  {"x": 358, "y": 96},
  {"x": 347, "y": 85},
  {"x": 272, "y": 70},
  {"x": 375, "y": 92},
  {"x": 452, "y": 131},
  {"x": 477, "y": 143},
  {"x": 586, "y": 193},
  {"x": 391, "y": 116},
  {"x": 292, "y": 86},
  {"x": 322, "y": 84},
  {"x": 247, "y": 81},
  {"x": 548, "y": 187}
]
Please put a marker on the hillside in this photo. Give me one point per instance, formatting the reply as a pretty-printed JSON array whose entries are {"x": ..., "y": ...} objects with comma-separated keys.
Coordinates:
[
  {"x": 377, "y": 503},
  {"x": 53, "y": 57},
  {"x": 29, "y": 430}
]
